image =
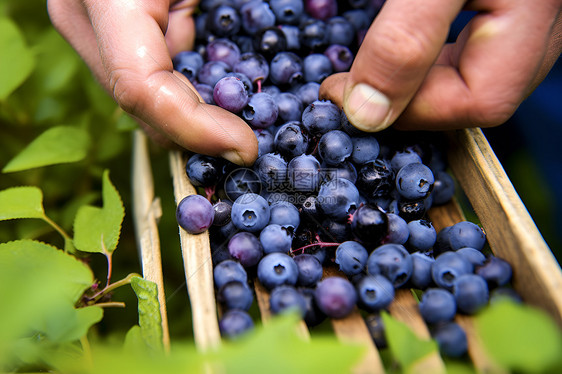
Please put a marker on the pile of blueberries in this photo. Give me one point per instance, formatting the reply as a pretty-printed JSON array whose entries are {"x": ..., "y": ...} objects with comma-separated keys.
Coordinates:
[{"x": 322, "y": 193}]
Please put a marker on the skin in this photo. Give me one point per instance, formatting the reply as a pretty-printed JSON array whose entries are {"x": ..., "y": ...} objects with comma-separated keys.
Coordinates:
[{"x": 405, "y": 74}]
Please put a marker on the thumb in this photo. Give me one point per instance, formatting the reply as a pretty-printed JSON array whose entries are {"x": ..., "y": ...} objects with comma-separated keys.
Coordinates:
[{"x": 399, "y": 49}]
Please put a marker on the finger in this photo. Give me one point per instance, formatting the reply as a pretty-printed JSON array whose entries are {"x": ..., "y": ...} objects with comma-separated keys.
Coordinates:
[
  {"x": 180, "y": 35},
  {"x": 140, "y": 75},
  {"x": 400, "y": 47},
  {"x": 482, "y": 79}
]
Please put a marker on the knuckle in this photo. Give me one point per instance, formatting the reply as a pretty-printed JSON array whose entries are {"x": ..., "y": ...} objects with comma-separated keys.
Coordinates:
[
  {"x": 127, "y": 90},
  {"x": 402, "y": 47}
]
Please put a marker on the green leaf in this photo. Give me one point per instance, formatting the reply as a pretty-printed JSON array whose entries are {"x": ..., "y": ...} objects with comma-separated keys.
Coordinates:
[
  {"x": 21, "y": 202},
  {"x": 520, "y": 337},
  {"x": 150, "y": 319},
  {"x": 57, "y": 145},
  {"x": 98, "y": 229},
  {"x": 66, "y": 323},
  {"x": 405, "y": 346},
  {"x": 17, "y": 60},
  {"x": 35, "y": 280},
  {"x": 277, "y": 348}
]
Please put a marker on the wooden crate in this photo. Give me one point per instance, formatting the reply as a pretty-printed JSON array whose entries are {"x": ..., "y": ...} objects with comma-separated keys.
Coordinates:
[{"x": 511, "y": 233}]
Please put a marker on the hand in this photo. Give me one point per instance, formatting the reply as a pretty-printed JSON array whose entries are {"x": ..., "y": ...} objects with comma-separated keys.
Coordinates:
[
  {"x": 405, "y": 74},
  {"x": 128, "y": 45}
]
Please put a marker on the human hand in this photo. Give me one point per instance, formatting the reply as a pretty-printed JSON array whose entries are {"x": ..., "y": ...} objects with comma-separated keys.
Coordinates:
[
  {"x": 405, "y": 74},
  {"x": 128, "y": 45}
]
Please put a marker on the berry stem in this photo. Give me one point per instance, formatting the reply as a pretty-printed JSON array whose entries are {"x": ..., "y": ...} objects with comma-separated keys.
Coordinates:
[
  {"x": 319, "y": 244},
  {"x": 258, "y": 82},
  {"x": 210, "y": 191}
]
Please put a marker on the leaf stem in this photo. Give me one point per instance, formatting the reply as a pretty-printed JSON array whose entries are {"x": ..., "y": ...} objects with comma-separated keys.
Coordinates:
[
  {"x": 87, "y": 350},
  {"x": 112, "y": 304},
  {"x": 57, "y": 228},
  {"x": 113, "y": 286}
]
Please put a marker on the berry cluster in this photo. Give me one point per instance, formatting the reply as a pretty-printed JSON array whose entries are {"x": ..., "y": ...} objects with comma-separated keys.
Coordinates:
[{"x": 321, "y": 193}]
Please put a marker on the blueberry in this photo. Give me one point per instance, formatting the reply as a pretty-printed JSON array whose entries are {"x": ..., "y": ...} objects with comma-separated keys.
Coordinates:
[
  {"x": 261, "y": 111},
  {"x": 313, "y": 315},
  {"x": 286, "y": 68},
  {"x": 336, "y": 297},
  {"x": 398, "y": 231},
  {"x": 422, "y": 235},
  {"x": 443, "y": 188},
  {"x": 227, "y": 271},
  {"x": 466, "y": 234},
  {"x": 241, "y": 181},
  {"x": 338, "y": 198},
  {"x": 287, "y": 299},
  {"x": 369, "y": 224},
  {"x": 246, "y": 248},
  {"x": 448, "y": 267},
  {"x": 235, "y": 323},
  {"x": 340, "y": 31},
  {"x": 269, "y": 41},
  {"x": 265, "y": 141},
  {"x": 404, "y": 157},
  {"x": 351, "y": 258},
  {"x": 340, "y": 56},
  {"x": 414, "y": 181},
  {"x": 285, "y": 214},
  {"x": 195, "y": 214},
  {"x": 271, "y": 169},
  {"x": 474, "y": 256},
  {"x": 235, "y": 295},
  {"x": 471, "y": 293},
  {"x": 212, "y": 71},
  {"x": 393, "y": 261},
  {"x": 204, "y": 171},
  {"x": 222, "y": 213},
  {"x": 316, "y": 67},
  {"x": 290, "y": 108},
  {"x": 188, "y": 63},
  {"x": 287, "y": 11},
  {"x": 256, "y": 15},
  {"x": 250, "y": 212},
  {"x": 253, "y": 65},
  {"x": 304, "y": 173},
  {"x": 421, "y": 271},
  {"x": 364, "y": 149},
  {"x": 308, "y": 93},
  {"x": 495, "y": 271},
  {"x": 376, "y": 330},
  {"x": 450, "y": 338},
  {"x": 375, "y": 178},
  {"x": 230, "y": 94},
  {"x": 375, "y": 292},
  {"x": 291, "y": 140},
  {"x": 309, "y": 268},
  {"x": 321, "y": 116},
  {"x": 276, "y": 269},
  {"x": 437, "y": 305},
  {"x": 275, "y": 238},
  {"x": 223, "y": 50},
  {"x": 334, "y": 147}
]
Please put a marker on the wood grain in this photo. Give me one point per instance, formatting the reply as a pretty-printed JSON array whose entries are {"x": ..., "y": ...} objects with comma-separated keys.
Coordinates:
[
  {"x": 352, "y": 329},
  {"x": 196, "y": 253},
  {"x": 511, "y": 232},
  {"x": 146, "y": 213}
]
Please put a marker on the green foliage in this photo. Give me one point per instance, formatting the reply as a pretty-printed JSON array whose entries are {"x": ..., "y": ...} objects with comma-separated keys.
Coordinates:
[
  {"x": 21, "y": 202},
  {"x": 406, "y": 348},
  {"x": 150, "y": 319},
  {"x": 39, "y": 285},
  {"x": 16, "y": 59},
  {"x": 97, "y": 229},
  {"x": 521, "y": 338},
  {"x": 57, "y": 145}
]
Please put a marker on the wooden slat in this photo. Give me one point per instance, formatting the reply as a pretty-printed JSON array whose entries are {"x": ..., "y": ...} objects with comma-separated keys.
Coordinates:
[
  {"x": 146, "y": 212},
  {"x": 404, "y": 308},
  {"x": 196, "y": 253},
  {"x": 352, "y": 329},
  {"x": 511, "y": 232}
]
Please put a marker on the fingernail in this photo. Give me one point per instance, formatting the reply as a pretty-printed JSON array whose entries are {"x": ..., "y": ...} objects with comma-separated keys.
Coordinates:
[
  {"x": 234, "y": 157},
  {"x": 367, "y": 108}
]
